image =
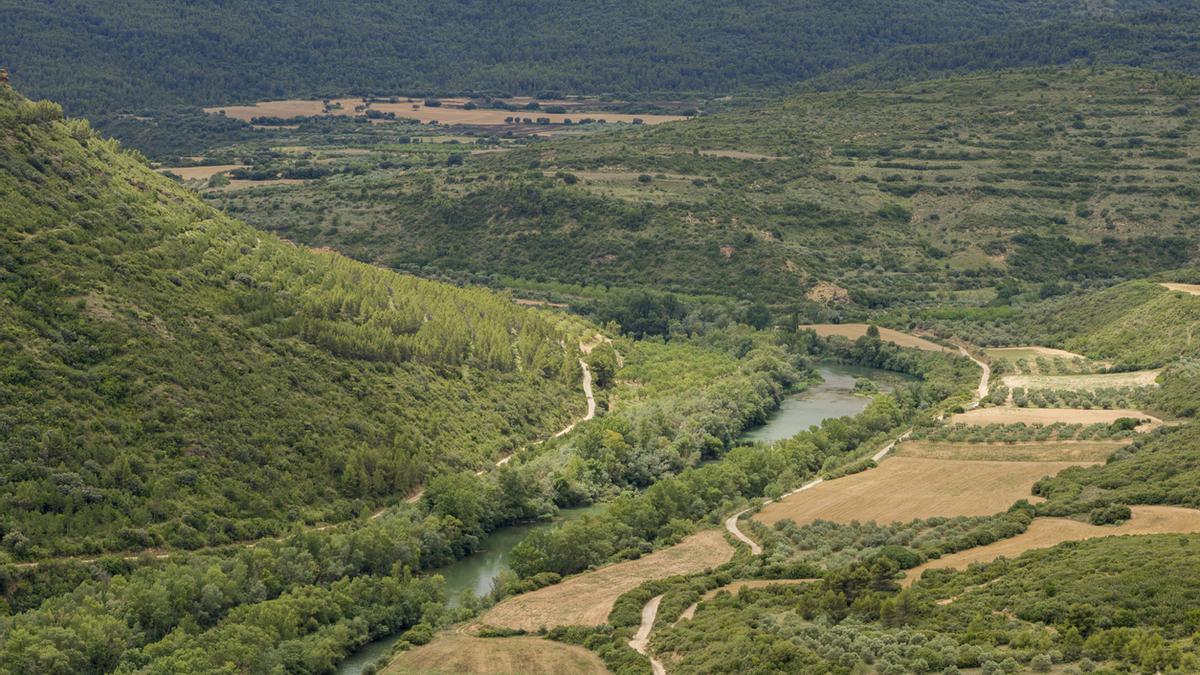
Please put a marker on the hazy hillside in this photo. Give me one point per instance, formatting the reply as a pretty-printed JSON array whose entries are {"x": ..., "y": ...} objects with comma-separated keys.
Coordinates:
[
  {"x": 170, "y": 376},
  {"x": 970, "y": 190},
  {"x": 95, "y": 56}
]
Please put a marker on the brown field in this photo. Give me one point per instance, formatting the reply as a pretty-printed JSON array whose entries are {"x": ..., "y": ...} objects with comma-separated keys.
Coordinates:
[
  {"x": 1193, "y": 289},
  {"x": 854, "y": 331},
  {"x": 1046, "y": 532},
  {"x": 736, "y": 586},
  {"x": 201, "y": 172},
  {"x": 1012, "y": 415},
  {"x": 1032, "y": 352},
  {"x": 1139, "y": 378},
  {"x": 450, "y": 112},
  {"x": 238, "y": 184},
  {"x": 737, "y": 154},
  {"x": 465, "y": 654},
  {"x": 587, "y": 599},
  {"x": 904, "y": 488},
  {"x": 1055, "y": 451}
]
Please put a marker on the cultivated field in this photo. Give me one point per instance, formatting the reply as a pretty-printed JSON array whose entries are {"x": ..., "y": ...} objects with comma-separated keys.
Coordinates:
[
  {"x": 1045, "y": 532},
  {"x": 1193, "y": 289},
  {"x": 1029, "y": 353},
  {"x": 1013, "y": 415},
  {"x": 904, "y": 488},
  {"x": 1138, "y": 378},
  {"x": 1055, "y": 451},
  {"x": 854, "y": 331},
  {"x": 450, "y": 112},
  {"x": 465, "y": 654},
  {"x": 736, "y": 586},
  {"x": 587, "y": 599}
]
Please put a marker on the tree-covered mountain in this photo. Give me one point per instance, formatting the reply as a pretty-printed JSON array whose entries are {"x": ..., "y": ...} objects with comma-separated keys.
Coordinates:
[
  {"x": 169, "y": 376},
  {"x": 96, "y": 56}
]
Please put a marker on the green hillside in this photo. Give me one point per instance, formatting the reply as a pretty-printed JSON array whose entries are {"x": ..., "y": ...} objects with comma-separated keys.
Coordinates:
[
  {"x": 959, "y": 190},
  {"x": 169, "y": 376},
  {"x": 95, "y": 56}
]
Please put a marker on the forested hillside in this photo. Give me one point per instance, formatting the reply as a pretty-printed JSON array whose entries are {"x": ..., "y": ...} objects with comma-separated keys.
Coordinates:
[
  {"x": 169, "y": 376},
  {"x": 968, "y": 190},
  {"x": 95, "y": 56}
]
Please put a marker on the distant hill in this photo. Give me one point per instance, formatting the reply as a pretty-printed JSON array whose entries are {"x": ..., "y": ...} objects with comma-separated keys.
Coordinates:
[
  {"x": 169, "y": 376},
  {"x": 971, "y": 189},
  {"x": 98, "y": 56}
]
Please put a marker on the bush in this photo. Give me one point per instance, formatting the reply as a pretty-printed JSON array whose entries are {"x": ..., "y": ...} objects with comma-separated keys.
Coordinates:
[{"x": 1107, "y": 515}]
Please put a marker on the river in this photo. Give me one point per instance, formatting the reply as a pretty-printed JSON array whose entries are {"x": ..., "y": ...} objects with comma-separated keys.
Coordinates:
[
  {"x": 834, "y": 397},
  {"x": 475, "y": 573}
]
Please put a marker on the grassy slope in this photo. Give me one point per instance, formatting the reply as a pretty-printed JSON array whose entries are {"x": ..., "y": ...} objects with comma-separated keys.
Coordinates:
[
  {"x": 170, "y": 376},
  {"x": 934, "y": 192}
]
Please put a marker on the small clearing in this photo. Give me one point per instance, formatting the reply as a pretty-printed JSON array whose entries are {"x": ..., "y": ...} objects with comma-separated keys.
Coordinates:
[
  {"x": 1137, "y": 378},
  {"x": 853, "y": 331},
  {"x": 1054, "y": 451},
  {"x": 737, "y": 154},
  {"x": 1012, "y": 415},
  {"x": 587, "y": 599},
  {"x": 200, "y": 172},
  {"x": 1014, "y": 353},
  {"x": 1045, "y": 532},
  {"x": 1193, "y": 289},
  {"x": 904, "y": 488},
  {"x": 466, "y": 654},
  {"x": 736, "y": 586}
]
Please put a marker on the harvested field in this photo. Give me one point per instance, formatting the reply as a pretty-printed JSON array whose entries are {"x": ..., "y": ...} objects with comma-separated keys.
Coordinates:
[
  {"x": 1045, "y": 532},
  {"x": 1053, "y": 451},
  {"x": 1193, "y": 289},
  {"x": 586, "y": 599},
  {"x": 736, "y": 586},
  {"x": 239, "y": 184},
  {"x": 1012, "y": 415},
  {"x": 904, "y": 488},
  {"x": 1014, "y": 353},
  {"x": 450, "y": 112},
  {"x": 201, "y": 172},
  {"x": 1138, "y": 378},
  {"x": 465, "y": 654},
  {"x": 854, "y": 331}
]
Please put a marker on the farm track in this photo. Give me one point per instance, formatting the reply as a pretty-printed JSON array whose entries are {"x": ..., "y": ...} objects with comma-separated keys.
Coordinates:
[
  {"x": 162, "y": 554},
  {"x": 641, "y": 639}
]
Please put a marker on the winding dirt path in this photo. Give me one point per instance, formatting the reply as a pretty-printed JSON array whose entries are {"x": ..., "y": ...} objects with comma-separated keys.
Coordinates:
[{"x": 641, "y": 639}]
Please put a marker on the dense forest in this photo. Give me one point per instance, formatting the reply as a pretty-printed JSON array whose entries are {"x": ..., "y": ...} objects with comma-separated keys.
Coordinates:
[{"x": 96, "y": 57}]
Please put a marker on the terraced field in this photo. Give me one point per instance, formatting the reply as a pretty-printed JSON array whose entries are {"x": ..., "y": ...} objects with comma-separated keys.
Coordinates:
[
  {"x": 1044, "y": 532},
  {"x": 587, "y": 599}
]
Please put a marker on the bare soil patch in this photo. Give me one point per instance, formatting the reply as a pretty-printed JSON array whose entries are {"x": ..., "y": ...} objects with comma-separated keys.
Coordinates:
[
  {"x": 587, "y": 599},
  {"x": 201, "y": 172},
  {"x": 1012, "y": 415},
  {"x": 905, "y": 488},
  {"x": 1055, "y": 451},
  {"x": 854, "y": 331},
  {"x": 1032, "y": 352},
  {"x": 1045, "y": 532},
  {"x": 1138, "y": 378},
  {"x": 466, "y": 654},
  {"x": 737, "y": 154},
  {"x": 1193, "y": 289}
]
